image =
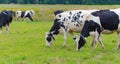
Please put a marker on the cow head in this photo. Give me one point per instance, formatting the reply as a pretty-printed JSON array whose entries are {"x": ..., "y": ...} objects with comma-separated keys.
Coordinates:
[
  {"x": 89, "y": 26},
  {"x": 55, "y": 29},
  {"x": 50, "y": 36},
  {"x": 32, "y": 12}
]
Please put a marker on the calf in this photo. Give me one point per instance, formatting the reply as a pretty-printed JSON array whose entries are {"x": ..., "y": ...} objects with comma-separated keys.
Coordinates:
[
  {"x": 6, "y": 18},
  {"x": 25, "y": 14},
  {"x": 100, "y": 22}
]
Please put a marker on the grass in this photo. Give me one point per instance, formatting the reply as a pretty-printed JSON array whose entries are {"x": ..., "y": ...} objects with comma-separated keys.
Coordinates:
[{"x": 25, "y": 44}]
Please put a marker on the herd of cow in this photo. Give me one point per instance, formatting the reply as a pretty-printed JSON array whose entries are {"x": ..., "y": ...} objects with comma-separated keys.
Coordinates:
[
  {"x": 6, "y": 17},
  {"x": 87, "y": 23}
]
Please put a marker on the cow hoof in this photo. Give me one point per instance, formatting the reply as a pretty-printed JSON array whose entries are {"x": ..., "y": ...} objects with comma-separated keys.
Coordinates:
[
  {"x": 64, "y": 45},
  {"x": 47, "y": 45},
  {"x": 78, "y": 49},
  {"x": 118, "y": 47}
]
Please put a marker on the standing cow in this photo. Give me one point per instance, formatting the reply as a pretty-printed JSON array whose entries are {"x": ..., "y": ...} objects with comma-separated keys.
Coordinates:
[
  {"x": 6, "y": 18},
  {"x": 98, "y": 22},
  {"x": 25, "y": 14}
]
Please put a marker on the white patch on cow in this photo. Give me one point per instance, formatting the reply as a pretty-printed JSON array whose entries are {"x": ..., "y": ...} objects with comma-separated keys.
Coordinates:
[
  {"x": 118, "y": 46},
  {"x": 107, "y": 31},
  {"x": 18, "y": 13},
  {"x": 95, "y": 35},
  {"x": 31, "y": 12},
  {"x": 92, "y": 33},
  {"x": 76, "y": 40}
]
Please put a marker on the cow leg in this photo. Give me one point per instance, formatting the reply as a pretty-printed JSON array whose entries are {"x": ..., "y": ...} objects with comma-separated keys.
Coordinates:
[
  {"x": 65, "y": 30},
  {"x": 92, "y": 43},
  {"x": 17, "y": 18},
  {"x": 0, "y": 30},
  {"x": 7, "y": 28},
  {"x": 30, "y": 18},
  {"x": 101, "y": 42},
  {"x": 73, "y": 36},
  {"x": 118, "y": 33},
  {"x": 96, "y": 40},
  {"x": 65, "y": 38}
]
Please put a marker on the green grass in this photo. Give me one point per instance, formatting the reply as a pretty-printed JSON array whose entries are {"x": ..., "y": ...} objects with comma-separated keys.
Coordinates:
[{"x": 25, "y": 44}]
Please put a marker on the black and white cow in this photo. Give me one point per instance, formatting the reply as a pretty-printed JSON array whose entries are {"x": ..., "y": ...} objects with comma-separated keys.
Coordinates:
[
  {"x": 25, "y": 14},
  {"x": 102, "y": 21},
  {"x": 65, "y": 22},
  {"x": 6, "y": 18}
]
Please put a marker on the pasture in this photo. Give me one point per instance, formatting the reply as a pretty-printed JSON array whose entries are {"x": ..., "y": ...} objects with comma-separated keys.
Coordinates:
[{"x": 25, "y": 43}]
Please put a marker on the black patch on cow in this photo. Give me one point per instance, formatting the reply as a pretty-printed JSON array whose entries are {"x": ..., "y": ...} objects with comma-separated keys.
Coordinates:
[
  {"x": 77, "y": 25},
  {"x": 81, "y": 42},
  {"x": 22, "y": 14},
  {"x": 58, "y": 12},
  {"x": 49, "y": 39},
  {"x": 55, "y": 27},
  {"x": 69, "y": 17},
  {"x": 70, "y": 13},
  {"x": 80, "y": 12},
  {"x": 59, "y": 15},
  {"x": 109, "y": 19},
  {"x": 74, "y": 38}
]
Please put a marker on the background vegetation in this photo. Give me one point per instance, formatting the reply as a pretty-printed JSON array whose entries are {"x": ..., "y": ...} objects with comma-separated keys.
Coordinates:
[
  {"x": 25, "y": 43},
  {"x": 45, "y": 12},
  {"x": 60, "y": 1}
]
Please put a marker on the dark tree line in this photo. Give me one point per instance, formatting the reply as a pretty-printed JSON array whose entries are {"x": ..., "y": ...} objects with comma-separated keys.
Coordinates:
[{"x": 60, "y": 1}]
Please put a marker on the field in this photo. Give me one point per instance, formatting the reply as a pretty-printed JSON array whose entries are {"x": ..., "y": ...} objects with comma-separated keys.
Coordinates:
[{"x": 25, "y": 43}]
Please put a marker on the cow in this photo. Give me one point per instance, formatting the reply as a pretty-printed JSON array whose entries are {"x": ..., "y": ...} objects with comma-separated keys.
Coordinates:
[
  {"x": 65, "y": 22},
  {"x": 101, "y": 21},
  {"x": 25, "y": 14},
  {"x": 6, "y": 18}
]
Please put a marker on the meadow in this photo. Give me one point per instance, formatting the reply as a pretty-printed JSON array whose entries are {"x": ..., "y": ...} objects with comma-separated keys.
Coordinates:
[{"x": 25, "y": 43}]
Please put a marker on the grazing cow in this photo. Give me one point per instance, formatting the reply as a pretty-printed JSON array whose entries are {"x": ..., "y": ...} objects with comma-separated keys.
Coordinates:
[
  {"x": 25, "y": 14},
  {"x": 65, "y": 22},
  {"x": 6, "y": 18},
  {"x": 102, "y": 21}
]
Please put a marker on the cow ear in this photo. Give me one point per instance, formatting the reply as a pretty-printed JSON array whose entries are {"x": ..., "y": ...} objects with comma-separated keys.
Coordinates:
[{"x": 58, "y": 12}]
